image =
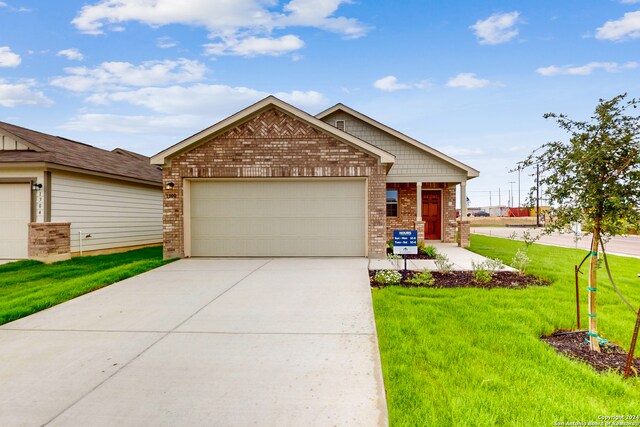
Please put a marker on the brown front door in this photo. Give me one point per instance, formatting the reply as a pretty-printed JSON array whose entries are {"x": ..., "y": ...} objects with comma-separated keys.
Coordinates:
[{"x": 431, "y": 208}]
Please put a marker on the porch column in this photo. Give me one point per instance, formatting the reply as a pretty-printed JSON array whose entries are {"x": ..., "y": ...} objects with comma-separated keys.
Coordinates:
[
  {"x": 419, "y": 225},
  {"x": 419, "y": 201},
  {"x": 464, "y": 225},
  {"x": 463, "y": 199}
]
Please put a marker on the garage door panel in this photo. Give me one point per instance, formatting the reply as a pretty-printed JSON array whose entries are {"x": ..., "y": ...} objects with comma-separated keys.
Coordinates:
[
  {"x": 15, "y": 214},
  {"x": 278, "y": 218}
]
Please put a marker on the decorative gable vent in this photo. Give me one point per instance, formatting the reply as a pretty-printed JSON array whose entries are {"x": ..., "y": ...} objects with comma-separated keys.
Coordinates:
[
  {"x": 10, "y": 144},
  {"x": 340, "y": 124}
]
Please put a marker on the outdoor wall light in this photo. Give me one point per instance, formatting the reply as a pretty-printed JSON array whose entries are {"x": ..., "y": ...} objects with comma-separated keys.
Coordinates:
[
  {"x": 36, "y": 187},
  {"x": 170, "y": 185}
]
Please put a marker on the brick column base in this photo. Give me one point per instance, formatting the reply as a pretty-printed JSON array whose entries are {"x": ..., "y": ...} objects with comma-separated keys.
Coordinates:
[
  {"x": 464, "y": 233},
  {"x": 419, "y": 227},
  {"x": 50, "y": 241}
]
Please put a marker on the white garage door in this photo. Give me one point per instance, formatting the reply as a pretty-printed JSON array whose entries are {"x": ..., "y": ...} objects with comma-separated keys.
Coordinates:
[
  {"x": 15, "y": 214},
  {"x": 278, "y": 218}
]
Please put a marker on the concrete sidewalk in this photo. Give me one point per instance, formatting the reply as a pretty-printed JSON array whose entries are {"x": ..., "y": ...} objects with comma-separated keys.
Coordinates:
[
  {"x": 202, "y": 342},
  {"x": 619, "y": 245},
  {"x": 460, "y": 257}
]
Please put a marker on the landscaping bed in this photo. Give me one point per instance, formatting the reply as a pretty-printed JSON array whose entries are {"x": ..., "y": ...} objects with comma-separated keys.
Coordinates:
[
  {"x": 575, "y": 346},
  {"x": 465, "y": 279}
]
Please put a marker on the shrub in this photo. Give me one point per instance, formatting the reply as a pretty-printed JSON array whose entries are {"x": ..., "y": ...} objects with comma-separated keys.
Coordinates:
[
  {"x": 424, "y": 278},
  {"x": 387, "y": 277},
  {"x": 395, "y": 260},
  {"x": 481, "y": 275},
  {"x": 442, "y": 263},
  {"x": 427, "y": 250},
  {"x": 390, "y": 244},
  {"x": 520, "y": 260},
  {"x": 492, "y": 265}
]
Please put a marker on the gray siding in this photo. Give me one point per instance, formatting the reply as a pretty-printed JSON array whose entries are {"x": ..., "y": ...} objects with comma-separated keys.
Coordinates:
[
  {"x": 412, "y": 164},
  {"x": 115, "y": 214}
]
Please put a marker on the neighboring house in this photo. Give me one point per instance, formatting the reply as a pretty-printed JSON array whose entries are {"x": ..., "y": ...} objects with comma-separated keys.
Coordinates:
[
  {"x": 272, "y": 180},
  {"x": 60, "y": 197}
]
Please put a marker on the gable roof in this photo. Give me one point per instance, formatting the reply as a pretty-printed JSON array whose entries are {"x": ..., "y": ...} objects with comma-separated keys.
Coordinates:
[
  {"x": 266, "y": 103},
  {"x": 471, "y": 172},
  {"x": 56, "y": 150}
]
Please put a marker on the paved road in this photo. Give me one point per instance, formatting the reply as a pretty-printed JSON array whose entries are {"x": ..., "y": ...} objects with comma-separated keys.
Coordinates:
[
  {"x": 620, "y": 245},
  {"x": 202, "y": 342}
]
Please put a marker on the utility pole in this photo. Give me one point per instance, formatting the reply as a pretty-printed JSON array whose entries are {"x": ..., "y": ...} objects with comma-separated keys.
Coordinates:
[
  {"x": 499, "y": 197},
  {"x": 538, "y": 195},
  {"x": 511, "y": 196},
  {"x": 519, "y": 170}
]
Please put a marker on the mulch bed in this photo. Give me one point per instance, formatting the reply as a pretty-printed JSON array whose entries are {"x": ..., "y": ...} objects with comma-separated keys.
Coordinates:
[
  {"x": 418, "y": 256},
  {"x": 573, "y": 345},
  {"x": 464, "y": 279}
]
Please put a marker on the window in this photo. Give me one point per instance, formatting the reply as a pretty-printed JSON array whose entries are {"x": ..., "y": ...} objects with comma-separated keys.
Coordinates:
[
  {"x": 392, "y": 202},
  {"x": 340, "y": 124}
]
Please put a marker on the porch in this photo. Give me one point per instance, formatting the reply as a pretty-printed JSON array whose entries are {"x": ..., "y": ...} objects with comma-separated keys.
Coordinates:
[{"x": 429, "y": 208}]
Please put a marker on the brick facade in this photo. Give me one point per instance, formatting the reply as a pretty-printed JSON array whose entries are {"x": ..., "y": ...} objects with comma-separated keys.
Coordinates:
[
  {"x": 407, "y": 210},
  {"x": 464, "y": 233},
  {"x": 50, "y": 241},
  {"x": 273, "y": 144}
]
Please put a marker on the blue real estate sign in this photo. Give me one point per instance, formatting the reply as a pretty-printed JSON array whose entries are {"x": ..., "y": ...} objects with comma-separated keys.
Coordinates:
[{"x": 405, "y": 242}]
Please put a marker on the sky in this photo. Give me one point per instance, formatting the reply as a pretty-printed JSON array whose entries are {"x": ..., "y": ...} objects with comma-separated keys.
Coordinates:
[{"x": 471, "y": 79}]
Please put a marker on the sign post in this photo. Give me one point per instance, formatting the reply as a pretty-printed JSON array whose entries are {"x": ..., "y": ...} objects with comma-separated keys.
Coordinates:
[{"x": 405, "y": 242}]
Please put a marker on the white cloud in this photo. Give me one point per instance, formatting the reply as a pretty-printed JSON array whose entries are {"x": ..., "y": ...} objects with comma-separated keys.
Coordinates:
[
  {"x": 390, "y": 84},
  {"x": 456, "y": 151},
  {"x": 21, "y": 93},
  {"x": 467, "y": 81},
  {"x": 585, "y": 70},
  {"x": 254, "y": 46},
  {"x": 629, "y": 1},
  {"x": 201, "y": 99},
  {"x": 3, "y": 4},
  {"x": 165, "y": 42},
  {"x": 229, "y": 22},
  {"x": 625, "y": 28},
  {"x": 114, "y": 75},
  {"x": 71, "y": 54},
  {"x": 496, "y": 29},
  {"x": 8, "y": 58},
  {"x": 129, "y": 124}
]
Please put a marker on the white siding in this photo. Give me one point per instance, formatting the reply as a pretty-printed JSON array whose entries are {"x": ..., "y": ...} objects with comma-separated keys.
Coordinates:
[
  {"x": 412, "y": 164},
  {"x": 115, "y": 214}
]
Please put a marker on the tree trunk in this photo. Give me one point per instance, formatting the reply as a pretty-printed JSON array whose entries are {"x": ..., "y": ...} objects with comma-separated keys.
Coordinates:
[{"x": 593, "y": 285}]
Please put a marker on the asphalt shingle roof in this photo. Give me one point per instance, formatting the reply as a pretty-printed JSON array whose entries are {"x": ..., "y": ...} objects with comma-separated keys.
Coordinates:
[{"x": 62, "y": 151}]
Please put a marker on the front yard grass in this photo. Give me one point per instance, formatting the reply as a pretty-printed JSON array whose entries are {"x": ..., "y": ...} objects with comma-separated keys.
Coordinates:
[
  {"x": 473, "y": 357},
  {"x": 30, "y": 286}
]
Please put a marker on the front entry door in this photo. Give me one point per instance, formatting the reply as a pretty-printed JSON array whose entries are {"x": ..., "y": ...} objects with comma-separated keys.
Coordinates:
[{"x": 431, "y": 208}]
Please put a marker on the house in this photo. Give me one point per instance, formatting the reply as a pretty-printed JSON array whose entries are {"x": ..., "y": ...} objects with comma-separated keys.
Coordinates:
[
  {"x": 272, "y": 180},
  {"x": 60, "y": 197}
]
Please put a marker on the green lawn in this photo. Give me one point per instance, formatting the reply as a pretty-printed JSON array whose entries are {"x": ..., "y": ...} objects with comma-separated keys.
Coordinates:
[
  {"x": 473, "y": 357},
  {"x": 30, "y": 286}
]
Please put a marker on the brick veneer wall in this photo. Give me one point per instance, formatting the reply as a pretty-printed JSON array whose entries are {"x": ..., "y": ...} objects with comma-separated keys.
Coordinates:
[
  {"x": 464, "y": 233},
  {"x": 449, "y": 213},
  {"x": 407, "y": 209},
  {"x": 273, "y": 144},
  {"x": 50, "y": 241}
]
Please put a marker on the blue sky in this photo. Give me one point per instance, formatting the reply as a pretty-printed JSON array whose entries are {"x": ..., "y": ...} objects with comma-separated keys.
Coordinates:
[{"x": 469, "y": 78}]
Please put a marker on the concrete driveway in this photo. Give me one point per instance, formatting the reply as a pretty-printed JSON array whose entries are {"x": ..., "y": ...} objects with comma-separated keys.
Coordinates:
[{"x": 202, "y": 342}]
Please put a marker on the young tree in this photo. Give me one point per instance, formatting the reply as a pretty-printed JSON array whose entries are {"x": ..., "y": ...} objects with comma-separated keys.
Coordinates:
[{"x": 594, "y": 178}]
